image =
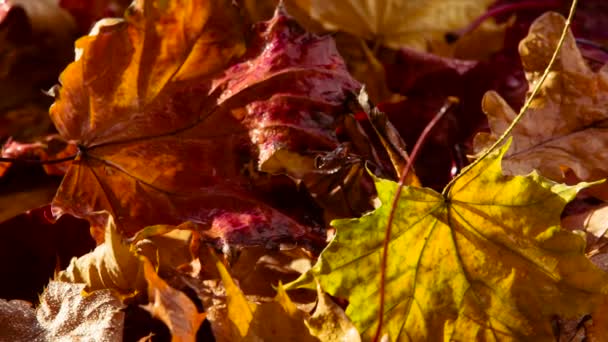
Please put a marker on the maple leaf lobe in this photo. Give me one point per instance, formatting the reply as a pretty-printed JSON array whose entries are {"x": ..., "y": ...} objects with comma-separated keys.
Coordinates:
[{"x": 171, "y": 124}]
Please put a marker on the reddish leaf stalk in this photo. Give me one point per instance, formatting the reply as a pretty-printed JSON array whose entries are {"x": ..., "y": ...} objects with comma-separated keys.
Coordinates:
[
  {"x": 449, "y": 103},
  {"x": 504, "y": 9}
]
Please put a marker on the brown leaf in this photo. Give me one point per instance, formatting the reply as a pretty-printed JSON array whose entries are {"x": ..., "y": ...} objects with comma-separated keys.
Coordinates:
[
  {"x": 171, "y": 306},
  {"x": 565, "y": 126},
  {"x": 64, "y": 314}
]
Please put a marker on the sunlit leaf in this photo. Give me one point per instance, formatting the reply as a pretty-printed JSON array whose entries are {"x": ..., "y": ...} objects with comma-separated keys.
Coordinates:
[
  {"x": 329, "y": 323},
  {"x": 112, "y": 265},
  {"x": 565, "y": 126},
  {"x": 486, "y": 261}
]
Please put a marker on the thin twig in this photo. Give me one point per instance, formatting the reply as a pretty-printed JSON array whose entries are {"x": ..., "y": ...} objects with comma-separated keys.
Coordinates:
[{"x": 449, "y": 103}]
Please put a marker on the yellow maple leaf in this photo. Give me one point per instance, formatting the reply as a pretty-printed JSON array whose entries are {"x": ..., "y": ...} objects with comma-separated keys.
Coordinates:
[{"x": 486, "y": 261}]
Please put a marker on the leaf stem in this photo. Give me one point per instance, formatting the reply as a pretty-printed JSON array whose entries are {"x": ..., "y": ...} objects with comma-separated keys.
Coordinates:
[
  {"x": 526, "y": 105},
  {"x": 449, "y": 103}
]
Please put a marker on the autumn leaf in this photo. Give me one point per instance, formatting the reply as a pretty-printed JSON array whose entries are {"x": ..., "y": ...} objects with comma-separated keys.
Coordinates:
[
  {"x": 64, "y": 314},
  {"x": 171, "y": 126},
  {"x": 171, "y": 306},
  {"x": 112, "y": 265},
  {"x": 487, "y": 260},
  {"x": 564, "y": 128},
  {"x": 116, "y": 263},
  {"x": 394, "y": 23},
  {"x": 238, "y": 319},
  {"x": 329, "y": 322}
]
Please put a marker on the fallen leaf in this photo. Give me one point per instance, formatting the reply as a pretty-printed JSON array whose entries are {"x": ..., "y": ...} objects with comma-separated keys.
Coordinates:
[
  {"x": 171, "y": 306},
  {"x": 237, "y": 319},
  {"x": 171, "y": 126},
  {"x": 394, "y": 23},
  {"x": 565, "y": 124},
  {"x": 329, "y": 323},
  {"x": 488, "y": 260},
  {"x": 64, "y": 314},
  {"x": 112, "y": 265}
]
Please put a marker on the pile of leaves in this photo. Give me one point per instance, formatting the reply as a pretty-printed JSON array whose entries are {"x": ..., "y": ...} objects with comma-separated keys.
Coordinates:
[{"x": 304, "y": 170}]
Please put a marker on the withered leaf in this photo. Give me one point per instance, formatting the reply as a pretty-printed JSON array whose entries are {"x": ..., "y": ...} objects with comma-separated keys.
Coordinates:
[{"x": 565, "y": 126}]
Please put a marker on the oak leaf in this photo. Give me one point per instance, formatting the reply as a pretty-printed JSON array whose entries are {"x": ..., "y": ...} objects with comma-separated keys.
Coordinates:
[
  {"x": 565, "y": 126},
  {"x": 487, "y": 260},
  {"x": 172, "y": 114}
]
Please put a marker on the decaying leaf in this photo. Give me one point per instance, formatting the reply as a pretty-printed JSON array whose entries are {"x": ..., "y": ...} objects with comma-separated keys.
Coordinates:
[
  {"x": 64, "y": 314},
  {"x": 171, "y": 306},
  {"x": 486, "y": 261},
  {"x": 565, "y": 126},
  {"x": 171, "y": 116},
  {"x": 395, "y": 23}
]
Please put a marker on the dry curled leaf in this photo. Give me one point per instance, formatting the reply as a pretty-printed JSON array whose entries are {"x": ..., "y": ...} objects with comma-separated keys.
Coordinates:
[
  {"x": 64, "y": 314},
  {"x": 565, "y": 126}
]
